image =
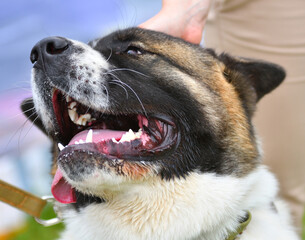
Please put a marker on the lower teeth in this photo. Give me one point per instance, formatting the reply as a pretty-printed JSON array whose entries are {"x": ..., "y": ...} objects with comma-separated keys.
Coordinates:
[{"x": 127, "y": 137}]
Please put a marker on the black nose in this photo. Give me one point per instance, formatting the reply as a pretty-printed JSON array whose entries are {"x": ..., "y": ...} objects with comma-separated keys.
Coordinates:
[{"x": 48, "y": 47}]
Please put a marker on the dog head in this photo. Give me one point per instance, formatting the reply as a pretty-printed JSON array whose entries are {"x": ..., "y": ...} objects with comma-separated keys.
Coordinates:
[{"x": 138, "y": 105}]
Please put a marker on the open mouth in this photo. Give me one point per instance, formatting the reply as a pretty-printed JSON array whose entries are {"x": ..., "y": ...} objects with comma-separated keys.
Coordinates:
[
  {"x": 134, "y": 137},
  {"x": 121, "y": 136}
]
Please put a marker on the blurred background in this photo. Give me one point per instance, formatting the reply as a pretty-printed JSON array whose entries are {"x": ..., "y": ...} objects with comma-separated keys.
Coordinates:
[{"x": 24, "y": 150}]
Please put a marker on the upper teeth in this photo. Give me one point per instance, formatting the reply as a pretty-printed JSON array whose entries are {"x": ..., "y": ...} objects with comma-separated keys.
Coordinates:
[{"x": 79, "y": 120}]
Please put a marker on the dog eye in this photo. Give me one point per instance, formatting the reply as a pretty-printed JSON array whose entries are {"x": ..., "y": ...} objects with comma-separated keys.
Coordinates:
[{"x": 135, "y": 51}]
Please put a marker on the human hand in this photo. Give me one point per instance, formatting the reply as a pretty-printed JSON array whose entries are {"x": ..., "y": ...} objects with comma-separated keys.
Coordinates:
[{"x": 181, "y": 18}]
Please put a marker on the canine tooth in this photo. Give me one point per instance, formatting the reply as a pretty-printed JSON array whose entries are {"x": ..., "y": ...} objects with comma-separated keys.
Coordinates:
[
  {"x": 76, "y": 142},
  {"x": 84, "y": 122},
  {"x": 130, "y": 131},
  {"x": 124, "y": 138},
  {"x": 81, "y": 141},
  {"x": 83, "y": 119},
  {"x": 138, "y": 133},
  {"x": 87, "y": 116},
  {"x": 73, "y": 115},
  {"x": 114, "y": 140},
  {"x": 72, "y": 105},
  {"x": 89, "y": 137},
  {"x": 68, "y": 99},
  {"x": 60, "y": 146},
  {"x": 79, "y": 121},
  {"x": 128, "y": 136}
]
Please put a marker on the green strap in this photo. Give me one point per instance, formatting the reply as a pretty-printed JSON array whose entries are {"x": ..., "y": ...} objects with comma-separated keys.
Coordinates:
[{"x": 240, "y": 228}]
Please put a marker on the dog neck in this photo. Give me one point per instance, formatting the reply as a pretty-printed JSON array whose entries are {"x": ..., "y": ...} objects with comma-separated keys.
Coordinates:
[{"x": 204, "y": 206}]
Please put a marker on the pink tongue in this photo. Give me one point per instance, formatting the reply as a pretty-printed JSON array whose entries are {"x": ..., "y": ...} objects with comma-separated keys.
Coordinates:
[
  {"x": 61, "y": 190},
  {"x": 98, "y": 135}
]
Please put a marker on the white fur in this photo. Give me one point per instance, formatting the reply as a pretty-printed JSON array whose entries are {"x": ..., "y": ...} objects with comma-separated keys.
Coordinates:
[
  {"x": 88, "y": 61},
  {"x": 97, "y": 66},
  {"x": 42, "y": 110},
  {"x": 100, "y": 181},
  {"x": 201, "y": 206}
]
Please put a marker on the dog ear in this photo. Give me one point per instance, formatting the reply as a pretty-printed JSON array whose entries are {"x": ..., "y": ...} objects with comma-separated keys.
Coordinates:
[
  {"x": 28, "y": 109},
  {"x": 252, "y": 79},
  {"x": 262, "y": 76}
]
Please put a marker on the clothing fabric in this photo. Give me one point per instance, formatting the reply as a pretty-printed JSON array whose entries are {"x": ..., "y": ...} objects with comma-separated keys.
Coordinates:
[{"x": 272, "y": 30}]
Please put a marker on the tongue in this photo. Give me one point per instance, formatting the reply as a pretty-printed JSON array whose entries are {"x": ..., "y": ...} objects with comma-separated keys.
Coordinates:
[
  {"x": 61, "y": 190},
  {"x": 98, "y": 135}
]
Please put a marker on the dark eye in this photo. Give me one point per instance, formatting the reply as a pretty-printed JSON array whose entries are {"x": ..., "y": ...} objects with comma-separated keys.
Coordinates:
[{"x": 131, "y": 50}]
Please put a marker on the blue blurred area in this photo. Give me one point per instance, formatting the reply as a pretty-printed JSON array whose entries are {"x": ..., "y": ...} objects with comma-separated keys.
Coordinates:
[
  {"x": 24, "y": 151},
  {"x": 24, "y": 22}
]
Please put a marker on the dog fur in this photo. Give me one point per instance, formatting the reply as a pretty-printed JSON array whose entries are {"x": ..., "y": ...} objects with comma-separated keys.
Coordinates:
[{"x": 199, "y": 186}]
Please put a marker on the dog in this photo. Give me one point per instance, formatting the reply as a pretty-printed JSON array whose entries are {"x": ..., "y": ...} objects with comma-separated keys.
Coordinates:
[{"x": 153, "y": 139}]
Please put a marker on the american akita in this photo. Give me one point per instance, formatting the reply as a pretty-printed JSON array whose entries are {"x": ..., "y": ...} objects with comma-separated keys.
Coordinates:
[{"x": 155, "y": 138}]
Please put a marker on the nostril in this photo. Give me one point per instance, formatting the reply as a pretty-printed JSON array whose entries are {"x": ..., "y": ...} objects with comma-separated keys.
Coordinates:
[
  {"x": 56, "y": 46},
  {"x": 34, "y": 56},
  {"x": 48, "y": 48}
]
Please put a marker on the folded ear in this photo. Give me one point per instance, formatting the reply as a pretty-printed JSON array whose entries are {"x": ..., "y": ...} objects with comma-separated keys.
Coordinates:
[
  {"x": 28, "y": 109},
  {"x": 262, "y": 76},
  {"x": 251, "y": 78}
]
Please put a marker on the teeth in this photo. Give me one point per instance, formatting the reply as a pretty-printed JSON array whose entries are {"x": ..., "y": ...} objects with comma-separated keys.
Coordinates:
[
  {"x": 72, "y": 111},
  {"x": 72, "y": 105},
  {"x": 114, "y": 140},
  {"x": 83, "y": 119},
  {"x": 60, "y": 146},
  {"x": 89, "y": 137},
  {"x": 130, "y": 135},
  {"x": 68, "y": 99},
  {"x": 73, "y": 115},
  {"x": 138, "y": 133}
]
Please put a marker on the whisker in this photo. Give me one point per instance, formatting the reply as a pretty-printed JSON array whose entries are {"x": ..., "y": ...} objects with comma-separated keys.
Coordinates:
[
  {"x": 107, "y": 93},
  {"x": 19, "y": 129},
  {"x": 118, "y": 84},
  {"x": 109, "y": 54},
  {"x": 22, "y": 113},
  {"x": 30, "y": 128},
  {"x": 136, "y": 95},
  {"x": 126, "y": 69}
]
